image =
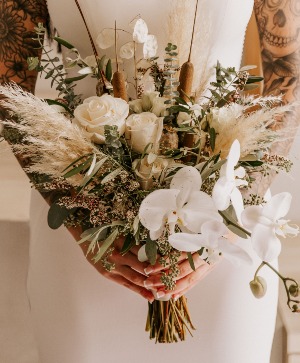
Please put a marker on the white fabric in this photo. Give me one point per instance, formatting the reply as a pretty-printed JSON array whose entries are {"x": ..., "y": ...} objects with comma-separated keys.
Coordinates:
[{"x": 79, "y": 316}]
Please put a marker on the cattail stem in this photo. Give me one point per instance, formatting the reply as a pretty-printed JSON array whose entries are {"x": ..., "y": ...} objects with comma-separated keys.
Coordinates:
[
  {"x": 119, "y": 85},
  {"x": 186, "y": 80}
]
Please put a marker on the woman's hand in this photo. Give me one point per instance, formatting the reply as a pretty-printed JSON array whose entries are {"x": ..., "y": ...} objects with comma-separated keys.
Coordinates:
[
  {"x": 185, "y": 281},
  {"x": 128, "y": 272}
]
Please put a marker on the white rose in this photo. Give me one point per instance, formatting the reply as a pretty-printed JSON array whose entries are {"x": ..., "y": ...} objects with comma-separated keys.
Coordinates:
[
  {"x": 151, "y": 165},
  {"x": 143, "y": 129},
  {"x": 96, "y": 112},
  {"x": 151, "y": 102}
]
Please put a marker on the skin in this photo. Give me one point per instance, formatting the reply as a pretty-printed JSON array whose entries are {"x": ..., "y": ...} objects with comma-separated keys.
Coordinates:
[{"x": 281, "y": 68}]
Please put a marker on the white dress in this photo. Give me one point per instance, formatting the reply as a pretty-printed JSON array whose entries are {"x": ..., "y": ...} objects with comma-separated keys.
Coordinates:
[{"x": 79, "y": 316}]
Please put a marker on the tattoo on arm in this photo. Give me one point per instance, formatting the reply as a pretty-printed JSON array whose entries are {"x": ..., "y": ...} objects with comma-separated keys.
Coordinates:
[
  {"x": 279, "y": 30},
  {"x": 17, "y": 21}
]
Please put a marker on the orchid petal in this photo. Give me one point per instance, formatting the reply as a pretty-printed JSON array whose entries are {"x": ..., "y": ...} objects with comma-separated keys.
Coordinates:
[
  {"x": 240, "y": 172},
  {"x": 232, "y": 160},
  {"x": 250, "y": 216},
  {"x": 186, "y": 180},
  {"x": 221, "y": 193},
  {"x": 233, "y": 155},
  {"x": 233, "y": 253},
  {"x": 237, "y": 202},
  {"x": 154, "y": 235},
  {"x": 142, "y": 256},
  {"x": 155, "y": 207},
  {"x": 265, "y": 243},
  {"x": 186, "y": 242},
  {"x": 278, "y": 206},
  {"x": 199, "y": 209},
  {"x": 212, "y": 231}
]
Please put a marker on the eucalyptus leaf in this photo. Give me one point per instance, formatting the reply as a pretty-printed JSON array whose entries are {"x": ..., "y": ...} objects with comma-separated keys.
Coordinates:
[
  {"x": 111, "y": 175},
  {"x": 191, "y": 261},
  {"x": 212, "y": 140},
  {"x": 78, "y": 168},
  {"x": 57, "y": 215},
  {"x": 129, "y": 242},
  {"x": 106, "y": 244},
  {"x": 151, "y": 251},
  {"x": 64, "y": 43},
  {"x": 75, "y": 79}
]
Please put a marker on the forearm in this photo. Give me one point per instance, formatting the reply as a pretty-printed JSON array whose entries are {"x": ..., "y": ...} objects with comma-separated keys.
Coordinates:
[{"x": 279, "y": 28}]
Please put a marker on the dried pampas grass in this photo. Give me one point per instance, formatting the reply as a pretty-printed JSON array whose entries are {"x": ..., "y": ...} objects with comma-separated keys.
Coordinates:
[
  {"x": 252, "y": 129},
  {"x": 51, "y": 141}
]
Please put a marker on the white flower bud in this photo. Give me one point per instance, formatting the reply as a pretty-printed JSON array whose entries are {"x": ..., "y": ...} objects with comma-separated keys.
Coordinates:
[{"x": 258, "y": 287}]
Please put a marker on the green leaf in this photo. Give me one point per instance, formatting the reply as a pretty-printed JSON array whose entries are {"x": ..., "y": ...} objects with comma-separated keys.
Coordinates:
[
  {"x": 108, "y": 71},
  {"x": 75, "y": 79},
  {"x": 191, "y": 261},
  {"x": 106, "y": 244},
  {"x": 75, "y": 161},
  {"x": 49, "y": 74},
  {"x": 111, "y": 175},
  {"x": 151, "y": 251},
  {"x": 233, "y": 225},
  {"x": 128, "y": 244},
  {"x": 63, "y": 42},
  {"x": 254, "y": 79},
  {"x": 33, "y": 63},
  {"x": 57, "y": 215},
  {"x": 53, "y": 102},
  {"x": 78, "y": 168},
  {"x": 212, "y": 140}
]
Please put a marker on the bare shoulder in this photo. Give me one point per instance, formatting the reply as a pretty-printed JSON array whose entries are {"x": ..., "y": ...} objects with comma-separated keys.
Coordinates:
[
  {"x": 279, "y": 28},
  {"x": 17, "y": 21}
]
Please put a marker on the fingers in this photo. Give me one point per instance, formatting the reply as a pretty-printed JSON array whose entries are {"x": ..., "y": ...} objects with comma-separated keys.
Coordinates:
[
  {"x": 129, "y": 285},
  {"x": 129, "y": 259},
  {"x": 158, "y": 267},
  {"x": 184, "y": 267}
]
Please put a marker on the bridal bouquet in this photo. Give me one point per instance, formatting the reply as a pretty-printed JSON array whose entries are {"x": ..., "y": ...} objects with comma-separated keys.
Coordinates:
[{"x": 169, "y": 172}]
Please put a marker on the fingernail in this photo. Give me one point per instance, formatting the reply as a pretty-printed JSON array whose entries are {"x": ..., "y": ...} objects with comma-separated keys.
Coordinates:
[
  {"x": 160, "y": 294},
  {"x": 148, "y": 270},
  {"x": 148, "y": 284},
  {"x": 175, "y": 297}
]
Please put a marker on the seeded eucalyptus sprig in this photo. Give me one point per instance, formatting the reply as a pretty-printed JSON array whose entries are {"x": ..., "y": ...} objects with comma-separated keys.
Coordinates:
[
  {"x": 52, "y": 68},
  {"x": 170, "y": 73}
]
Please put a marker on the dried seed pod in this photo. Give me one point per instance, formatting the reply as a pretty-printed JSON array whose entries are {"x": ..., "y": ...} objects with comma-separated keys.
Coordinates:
[
  {"x": 186, "y": 80},
  {"x": 169, "y": 139},
  {"x": 119, "y": 86}
]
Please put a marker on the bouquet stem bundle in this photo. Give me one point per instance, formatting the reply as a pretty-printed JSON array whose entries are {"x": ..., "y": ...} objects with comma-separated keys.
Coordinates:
[{"x": 168, "y": 321}]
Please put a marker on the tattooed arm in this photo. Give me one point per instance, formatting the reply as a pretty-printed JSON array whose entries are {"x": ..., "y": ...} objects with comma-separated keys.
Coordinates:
[
  {"x": 17, "y": 21},
  {"x": 279, "y": 30}
]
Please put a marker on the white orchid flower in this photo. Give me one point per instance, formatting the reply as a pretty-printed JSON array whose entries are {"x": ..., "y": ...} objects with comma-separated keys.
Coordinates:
[
  {"x": 140, "y": 30},
  {"x": 226, "y": 188},
  {"x": 213, "y": 238},
  {"x": 183, "y": 205},
  {"x": 265, "y": 223}
]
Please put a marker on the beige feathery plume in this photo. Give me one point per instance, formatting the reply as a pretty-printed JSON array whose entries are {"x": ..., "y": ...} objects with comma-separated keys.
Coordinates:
[
  {"x": 180, "y": 28},
  {"x": 51, "y": 141},
  {"x": 251, "y": 129}
]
